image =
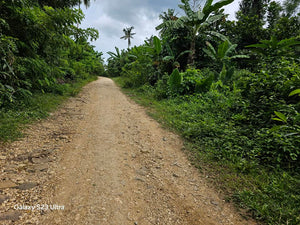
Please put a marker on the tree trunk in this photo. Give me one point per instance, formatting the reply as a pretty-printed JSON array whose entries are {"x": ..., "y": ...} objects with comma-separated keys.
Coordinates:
[{"x": 191, "y": 57}]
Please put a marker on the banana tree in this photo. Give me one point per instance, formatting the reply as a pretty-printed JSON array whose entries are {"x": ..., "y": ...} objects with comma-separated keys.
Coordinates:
[
  {"x": 116, "y": 55},
  {"x": 223, "y": 54},
  {"x": 194, "y": 20},
  {"x": 153, "y": 46},
  {"x": 116, "y": 61},
  {"x": 120, "y": 56}
]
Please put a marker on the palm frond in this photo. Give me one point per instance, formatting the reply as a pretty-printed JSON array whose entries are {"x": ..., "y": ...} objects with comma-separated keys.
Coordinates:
[
  {"x": 207, "y": 5},
  {"x": 182, "y": 53},
  {"x": 211, "y": 52},
  {"x": 187, "y": 8},
  {"x": 222, "y": 49},
  {"x": 212, "y": 19},
  {"x": 218, "y": 35},
  {"x": 288, "y": 42},
  {"x": 230, "y": 49},
  {"x": 209, "y": 8},
  {"x": 168, "y": 58},
  {"x": 208, "y": 52},
  {"x": 240, "y": 57},
  {"x": 263, "y": 46}
]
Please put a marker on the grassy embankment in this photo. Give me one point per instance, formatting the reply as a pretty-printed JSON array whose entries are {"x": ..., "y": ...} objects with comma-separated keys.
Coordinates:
[{"x": 15, "y": 117}]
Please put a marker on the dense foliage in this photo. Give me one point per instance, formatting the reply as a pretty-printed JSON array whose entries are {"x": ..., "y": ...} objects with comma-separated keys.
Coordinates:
[
  {"x": 42, "y": 48},
  {"x": 232, "y": 89}
]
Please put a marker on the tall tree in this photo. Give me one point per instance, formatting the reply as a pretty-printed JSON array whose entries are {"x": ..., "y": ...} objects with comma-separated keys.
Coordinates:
[
  {"x": 128, "y": 35},
  {"x": 291, "y": 7},
  {"x": 254, "y": 7},
  {"x": 250, "y": 21},
  {"x": 274, "y": 10}
]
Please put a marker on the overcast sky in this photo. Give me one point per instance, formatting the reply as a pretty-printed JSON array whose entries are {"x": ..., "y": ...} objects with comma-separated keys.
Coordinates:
[{"x": 109, "y": 17}]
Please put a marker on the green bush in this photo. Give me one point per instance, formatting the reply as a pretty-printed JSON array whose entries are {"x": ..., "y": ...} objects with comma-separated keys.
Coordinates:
[
  {"x": 161, "y": 88},
  {"x": 175, "y": 82},
  {"x": 265, "y": 92},
  {"x": 190, "y": 82}
]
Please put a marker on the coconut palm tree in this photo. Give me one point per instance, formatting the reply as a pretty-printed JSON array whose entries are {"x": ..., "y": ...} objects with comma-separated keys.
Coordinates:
[{"x": 128, "y": 35}]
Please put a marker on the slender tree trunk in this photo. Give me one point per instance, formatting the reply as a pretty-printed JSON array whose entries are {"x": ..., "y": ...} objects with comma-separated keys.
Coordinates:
[{"x": 191, "y": 57}]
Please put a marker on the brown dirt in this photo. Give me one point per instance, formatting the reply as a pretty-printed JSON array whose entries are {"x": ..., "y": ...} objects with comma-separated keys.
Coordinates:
[{"x": 104, "y": 161}]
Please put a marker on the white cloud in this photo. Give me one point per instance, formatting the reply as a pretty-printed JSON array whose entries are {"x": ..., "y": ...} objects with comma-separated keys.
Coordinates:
[{"x": 231, "y": 9}]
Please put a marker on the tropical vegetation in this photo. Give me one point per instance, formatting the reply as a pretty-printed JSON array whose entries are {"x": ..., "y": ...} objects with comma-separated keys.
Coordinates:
[
  {"x": 43, "y": 52},
  {"x": 231, "y": 89}
]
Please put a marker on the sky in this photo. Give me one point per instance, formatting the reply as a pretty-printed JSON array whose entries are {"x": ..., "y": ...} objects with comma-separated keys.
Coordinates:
[{"x": 110, "y": 17}]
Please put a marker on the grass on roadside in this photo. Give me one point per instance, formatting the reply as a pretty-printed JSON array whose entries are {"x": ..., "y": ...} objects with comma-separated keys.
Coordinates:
[
  {"x": 13, "y": 118},
  {"x": 269, "y": 195}
]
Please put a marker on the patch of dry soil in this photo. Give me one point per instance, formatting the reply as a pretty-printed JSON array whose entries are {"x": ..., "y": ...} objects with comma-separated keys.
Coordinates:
[{"x": 100, "y": 159}]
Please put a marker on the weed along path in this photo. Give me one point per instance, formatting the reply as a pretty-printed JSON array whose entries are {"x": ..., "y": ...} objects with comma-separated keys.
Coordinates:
[{"x": 110, "y": 164}]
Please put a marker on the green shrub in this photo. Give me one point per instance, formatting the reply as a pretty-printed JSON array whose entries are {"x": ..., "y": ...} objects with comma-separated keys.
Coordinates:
[
  {"x": 175, "y": 82},
  {"x": 265, "y": 92},
  {"x": 161, "y": 88},
  {"x": 190, "y": 82}
]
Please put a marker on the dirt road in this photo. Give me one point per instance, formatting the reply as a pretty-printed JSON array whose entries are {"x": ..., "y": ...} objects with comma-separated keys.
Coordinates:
[{"x": 113, "y": 164}]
